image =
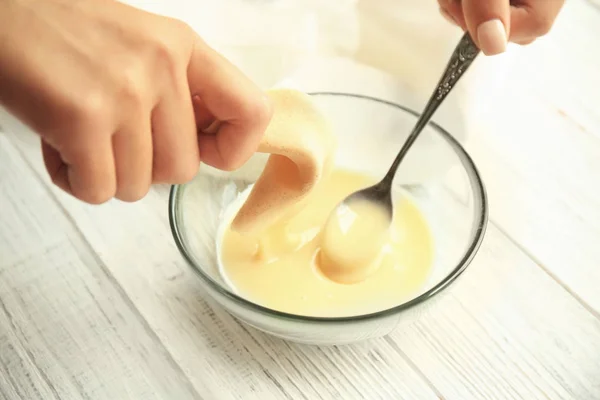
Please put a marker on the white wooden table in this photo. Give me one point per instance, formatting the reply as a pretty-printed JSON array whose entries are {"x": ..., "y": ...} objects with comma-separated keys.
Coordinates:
[{"x": 96, "y": 303}]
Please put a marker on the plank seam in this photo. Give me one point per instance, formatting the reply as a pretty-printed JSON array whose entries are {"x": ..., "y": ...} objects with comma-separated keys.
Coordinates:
[{"x": 110, "y": 277}]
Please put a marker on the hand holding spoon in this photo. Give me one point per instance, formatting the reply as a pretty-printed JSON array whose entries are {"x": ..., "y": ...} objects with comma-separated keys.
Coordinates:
[{"x": 348, "y": 233}]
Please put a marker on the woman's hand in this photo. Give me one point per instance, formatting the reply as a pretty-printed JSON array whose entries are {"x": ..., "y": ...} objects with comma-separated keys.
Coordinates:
[
  {"x": 492, "y": 23},
  {"x": 119, "y": 96}
]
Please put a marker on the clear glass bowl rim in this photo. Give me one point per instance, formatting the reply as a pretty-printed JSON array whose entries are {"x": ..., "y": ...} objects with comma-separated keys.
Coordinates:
[{"x": 480, "y": 224}]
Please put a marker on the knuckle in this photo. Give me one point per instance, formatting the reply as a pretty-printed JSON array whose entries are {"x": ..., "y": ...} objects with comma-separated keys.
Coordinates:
[
  {"x": 95, "y": 195},
  {"x": 186, "y": 172},
  {"x": 230, "y": 165},
  {"x": 256, "y": 114},
  {"x": 166, "y": 56},
  {"x": 233, "y": 165},
  {"x": 131, "y": 84},
  {"x": 164, "y": 53},
  {"x": 525, "y": 42},
  {"x": 98, "y": 190},
  {"x": 163, "y": 45},
  {"x": 180, "y": 27},
  {"x": 233, "y": 160},
  {"x": 177, "y": 172},
  {"x": 173, "y": 26},
  {"x": 133, "y": 195},
  {"x": 189, "y": 170},
  {"x": 258, "y": 110},
  {"x": 91, "y": 110},
  {"x": 540, "y": 25}
]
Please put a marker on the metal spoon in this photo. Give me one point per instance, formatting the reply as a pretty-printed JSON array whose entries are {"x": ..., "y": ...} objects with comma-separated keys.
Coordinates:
[{"x": 465, "y": 52}]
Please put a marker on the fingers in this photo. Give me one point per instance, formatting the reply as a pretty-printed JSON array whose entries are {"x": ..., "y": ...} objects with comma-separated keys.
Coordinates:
[
  {"x": 524, "y": 42},
  {"x": 176, "y": 156},
  {"x": 86, "y": 171},
  {"x": 451, "y": 10},
  {"x": 132, "y": 149},
  {"x": 533, "y": 18},
  {"x": 123, "y": 168},
  {"x": 204, "y": 119},
  {"x": 242, "y": 109},
  {"x": 489, "y": 23},
  {"x": 165, "y": 142},
  {"x": 492, "y": 23},
  {"x": 55, "y": 166}
]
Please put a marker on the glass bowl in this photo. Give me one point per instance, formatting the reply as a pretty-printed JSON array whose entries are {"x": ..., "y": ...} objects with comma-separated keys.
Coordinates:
[{"x": 437, "y": 173}]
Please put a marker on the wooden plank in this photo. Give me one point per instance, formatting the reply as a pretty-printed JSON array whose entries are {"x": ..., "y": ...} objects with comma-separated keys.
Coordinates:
[
  {"x": 19, "y": 376},
  {"x": 220, "y": 357},
  {"x": 66, "y": 331},
  {"x": 475, "y": 346},
  {"x": 507, "y": 331},
  {"x": 537, "y": 143}
]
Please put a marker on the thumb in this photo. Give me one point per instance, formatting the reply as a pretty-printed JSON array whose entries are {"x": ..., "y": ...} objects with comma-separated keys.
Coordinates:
[
  {"x": 241, "y": 109},
  {"x": 489, "y": 24}
]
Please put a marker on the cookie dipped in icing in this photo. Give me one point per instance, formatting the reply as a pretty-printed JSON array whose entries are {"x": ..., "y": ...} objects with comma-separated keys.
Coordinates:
[{"x": 302, "y": 147}]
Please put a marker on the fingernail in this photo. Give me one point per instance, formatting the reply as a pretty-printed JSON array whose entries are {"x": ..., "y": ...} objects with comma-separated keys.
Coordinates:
[
  {"x": 492, "y": 37},
  {"x": 447, "y": 16}
]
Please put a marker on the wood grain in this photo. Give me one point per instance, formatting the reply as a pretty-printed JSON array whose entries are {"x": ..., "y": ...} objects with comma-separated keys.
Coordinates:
[
  {"x": 66, "y": 331},
  {"x": 508, "y": 331},
  {"x": 213, "y": 349},
  {"x": 495, "y": 337},
  {"x": 96, "y": 302},
  {"x": 538, "y": 146}
]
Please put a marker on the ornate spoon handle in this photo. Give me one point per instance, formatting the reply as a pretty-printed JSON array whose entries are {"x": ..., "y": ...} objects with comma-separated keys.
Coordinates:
[
  {"x": 461, "y": 60},
  {"x": 463, "y": 56}
]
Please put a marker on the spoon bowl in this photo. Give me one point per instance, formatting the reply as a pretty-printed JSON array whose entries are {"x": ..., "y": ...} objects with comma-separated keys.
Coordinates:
[{"x": 364, "y": 225}]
